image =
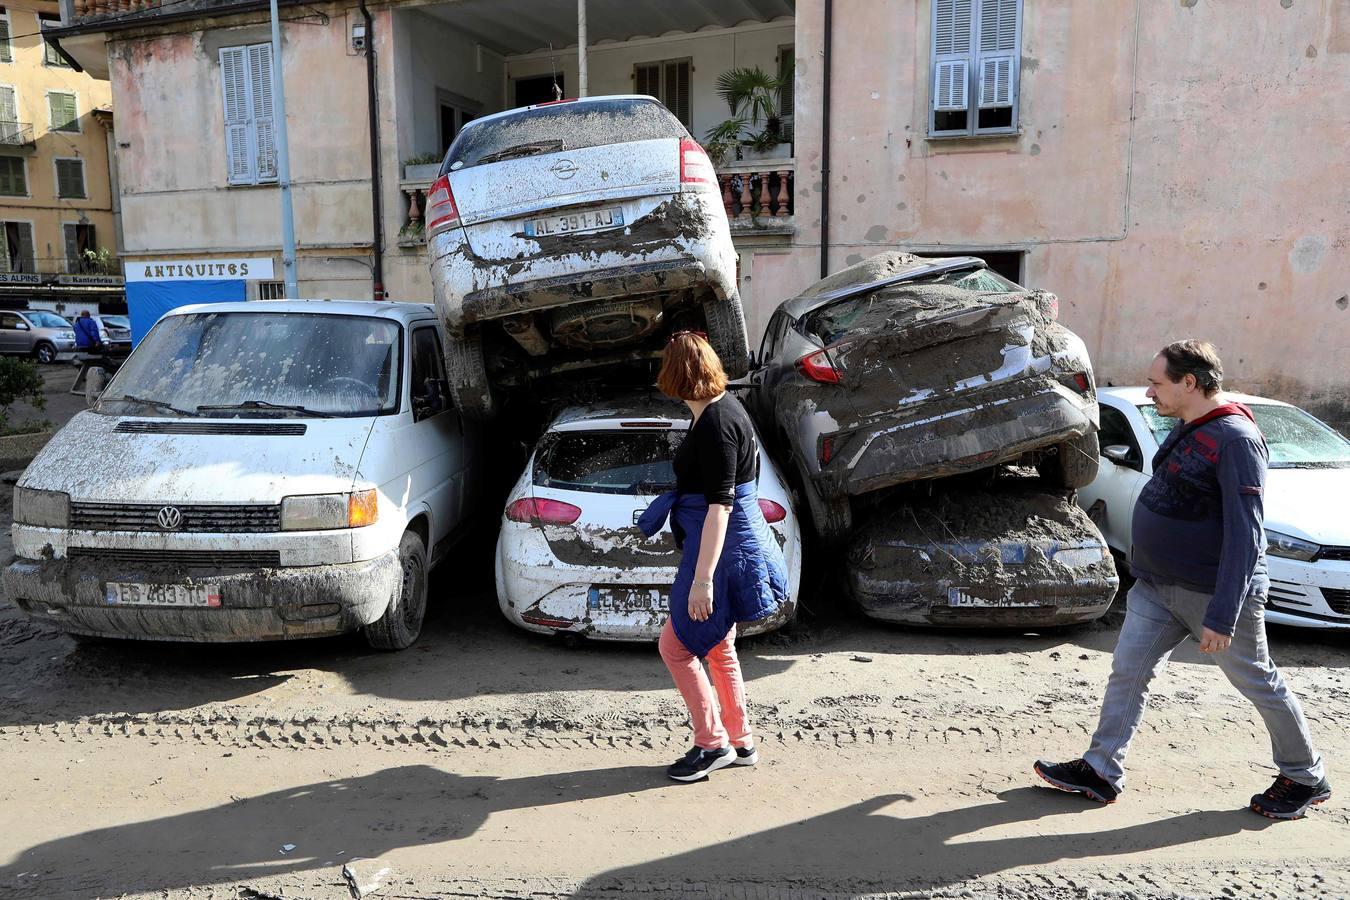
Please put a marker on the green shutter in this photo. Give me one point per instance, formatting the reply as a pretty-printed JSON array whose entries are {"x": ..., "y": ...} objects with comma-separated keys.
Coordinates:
[
  {"x": 64, "y": 116},
  {"x": 70, "y": 179},
  {"x": 5, "y": 54},
  {"x": 12, "y": 181}
]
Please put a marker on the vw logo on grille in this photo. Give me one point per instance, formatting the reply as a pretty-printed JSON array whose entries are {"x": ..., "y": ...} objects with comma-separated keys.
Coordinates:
[
  {"x": 564, "y": 169},
  {"x": 170, "y": 518}
]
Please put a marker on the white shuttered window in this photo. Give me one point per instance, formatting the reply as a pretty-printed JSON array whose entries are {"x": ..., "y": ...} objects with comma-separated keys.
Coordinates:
[
  {"x": 250, "y": 142},
  {"x": 976, "y": 63}
]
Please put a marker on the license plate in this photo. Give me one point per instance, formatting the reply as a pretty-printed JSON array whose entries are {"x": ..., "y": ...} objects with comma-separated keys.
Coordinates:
[
  {"x": 573, "y": 223},
  {"x": 628, "y": 600},
  {"x": 971, "y": 597},
  {"x": 124, "y": 594}
]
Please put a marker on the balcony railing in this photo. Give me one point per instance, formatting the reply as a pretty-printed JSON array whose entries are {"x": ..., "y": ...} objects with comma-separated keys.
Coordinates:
[
  {"x": 85, "y": 9},
  {"x": 16, "y": 134},
  {"x": 99, "y": 270},
  {"x": 759, "y": 195}
]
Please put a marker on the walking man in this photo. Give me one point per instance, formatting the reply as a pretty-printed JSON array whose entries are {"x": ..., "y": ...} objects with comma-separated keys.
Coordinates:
[{"x": 1199, "y": 557}]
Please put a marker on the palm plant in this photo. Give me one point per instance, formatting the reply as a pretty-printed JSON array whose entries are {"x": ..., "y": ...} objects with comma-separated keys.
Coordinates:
[{"x": 753, "y": 94}]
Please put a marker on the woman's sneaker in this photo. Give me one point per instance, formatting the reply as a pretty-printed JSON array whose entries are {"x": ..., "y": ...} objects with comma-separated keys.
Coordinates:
[
  {"x": 1287, "y": 799},
  {"x": 1077, "y": 777},
  {"x": 697, "y": 763},
  {"x": 746, "y": 756}
]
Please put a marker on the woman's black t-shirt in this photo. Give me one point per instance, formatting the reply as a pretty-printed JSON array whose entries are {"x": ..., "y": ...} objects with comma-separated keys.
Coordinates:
[{"x": 719, "y": 452}]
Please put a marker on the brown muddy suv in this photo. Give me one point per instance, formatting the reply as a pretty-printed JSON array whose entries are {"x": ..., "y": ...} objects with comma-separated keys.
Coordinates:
[{"x": 901, "y": 368}]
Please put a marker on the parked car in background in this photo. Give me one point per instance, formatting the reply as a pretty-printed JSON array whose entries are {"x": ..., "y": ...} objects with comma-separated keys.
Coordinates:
[
  {"x": 1001, "y": 553},
  {"x": 1307, "y": 494},
  {"x": 115, "y": 332},
  {"x": 899, "y": 368},
  {"x": 254, "y": 471},
  {"x": 570, "y": 557},
  {"x": 37, "y": 333},
  {"x": 573, "y": 236}
]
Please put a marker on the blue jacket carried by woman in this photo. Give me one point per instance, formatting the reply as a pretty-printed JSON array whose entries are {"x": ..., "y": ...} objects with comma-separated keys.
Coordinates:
[{"x": 750, "y": 582}]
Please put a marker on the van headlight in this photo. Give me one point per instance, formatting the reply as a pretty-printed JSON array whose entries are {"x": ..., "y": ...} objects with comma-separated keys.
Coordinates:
[
  {"x": 1290, "y": 547},
  {"x": 45, "y": 509},
  {"x": 325, "y": 512}
]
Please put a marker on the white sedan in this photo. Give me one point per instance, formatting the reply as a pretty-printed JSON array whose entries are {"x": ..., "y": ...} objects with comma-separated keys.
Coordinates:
[
  {"x": 1307, "y": 493},
  {"x": 570, "y": 558}
]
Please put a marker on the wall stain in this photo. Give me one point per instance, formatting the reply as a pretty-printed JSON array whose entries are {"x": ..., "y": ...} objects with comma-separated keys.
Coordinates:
[
  {"x": 876, "y": 233},
  {"x": 1287, "y": 3},
  {"x": 862, "y": 198},
  {"x": 1035, "y": 149},
  {"x": 1343, "y": 301},
  {"x": 853, "y": 259},
  {"x": 1311, "y": 52}
]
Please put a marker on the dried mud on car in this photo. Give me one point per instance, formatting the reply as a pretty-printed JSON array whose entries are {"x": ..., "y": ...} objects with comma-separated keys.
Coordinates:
[{"x": 1007, "y": 556}]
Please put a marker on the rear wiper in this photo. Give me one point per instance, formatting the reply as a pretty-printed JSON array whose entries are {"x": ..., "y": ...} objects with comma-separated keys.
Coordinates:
[
  {"x": 263, "y": 404},
  {"x": 157, "y": 404},
  {"x": 521, "y": 150}
]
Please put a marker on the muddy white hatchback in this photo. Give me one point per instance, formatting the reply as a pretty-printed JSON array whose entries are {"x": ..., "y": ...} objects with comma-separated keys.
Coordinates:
[
  {"x": 570, "y": 557},
  {"x": 574, "y": 236},
  {"x": 254, "y": 471}
]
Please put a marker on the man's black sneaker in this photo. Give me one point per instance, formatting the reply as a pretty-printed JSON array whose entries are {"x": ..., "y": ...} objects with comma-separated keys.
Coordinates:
[
  {"x": 697, "y": 763},
  {"x": 1077, "y": 777},
  {"x": 1287, "y": 799},
  {"x": 746, "y": 756}
]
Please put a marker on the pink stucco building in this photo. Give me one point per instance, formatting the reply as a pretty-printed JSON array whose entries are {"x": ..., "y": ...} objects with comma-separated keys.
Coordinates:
[{"x": 1168, "y": 168}]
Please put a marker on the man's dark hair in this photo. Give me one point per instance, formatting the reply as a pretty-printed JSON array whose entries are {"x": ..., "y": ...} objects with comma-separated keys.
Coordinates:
[{"x": 1198, "y": 358}]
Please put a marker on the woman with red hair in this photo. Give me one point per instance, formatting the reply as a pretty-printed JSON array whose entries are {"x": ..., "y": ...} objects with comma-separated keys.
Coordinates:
[{"x": 731, "y": 568}]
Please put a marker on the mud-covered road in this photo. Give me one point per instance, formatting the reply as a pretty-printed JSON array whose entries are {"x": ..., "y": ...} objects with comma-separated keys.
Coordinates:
[{"x": 487, "y": 762}]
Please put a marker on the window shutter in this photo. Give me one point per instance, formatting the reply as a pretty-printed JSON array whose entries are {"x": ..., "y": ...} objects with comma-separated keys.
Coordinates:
[
  {"x": 71, "y": 234},
  {"x": 951, "y": 27},
  {"x": 260, "y": 82},
  {"x": 234, "y": 82},
  {"x": 647, "y": 80},
  {"x": 9, "y": 114},
  {"x": 998, "y": 52},
  {"x": 787, "y": 94},
  {"x": 63, "y": 112},
  {"x": 950, "y": 85},
  {"x": 25, "y": 231},
  {"x": 677, "y": 90},
  {"x": 5, "y": 54}
]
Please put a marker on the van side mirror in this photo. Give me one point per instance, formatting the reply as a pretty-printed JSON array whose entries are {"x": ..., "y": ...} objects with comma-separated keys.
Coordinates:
[{"x": 95, "y": 380}]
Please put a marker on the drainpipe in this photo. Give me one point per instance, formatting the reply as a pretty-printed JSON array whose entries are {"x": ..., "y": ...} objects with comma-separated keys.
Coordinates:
[
  {"x": 376, "y": 202},
  {"x": 583, "y": 66},
  {"x": 825, "y": 144}
]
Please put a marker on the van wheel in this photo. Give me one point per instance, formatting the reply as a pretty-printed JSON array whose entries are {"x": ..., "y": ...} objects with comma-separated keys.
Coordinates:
[
  {"x": 831, "y": 516},
  {"x": 469, "y": 385},
  {"x": 45, "y": 353},
  {"x": 726, "y": 332},
  {"x": 1074, "y": 464},
  {"x": 401, "y": 623}
]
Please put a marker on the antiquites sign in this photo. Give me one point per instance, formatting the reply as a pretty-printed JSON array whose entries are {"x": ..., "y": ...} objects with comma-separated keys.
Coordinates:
[{"x": 251, "y": 269}]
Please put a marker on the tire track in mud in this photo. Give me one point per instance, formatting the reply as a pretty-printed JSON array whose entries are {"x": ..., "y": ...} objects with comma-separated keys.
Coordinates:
[{"x": 223, "y": 729}]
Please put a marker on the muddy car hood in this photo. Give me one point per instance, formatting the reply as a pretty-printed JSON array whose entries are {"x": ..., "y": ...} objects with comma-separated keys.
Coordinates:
[
  {"x": 90, "y": 460},
  {"x": 1309, "y": 504}
]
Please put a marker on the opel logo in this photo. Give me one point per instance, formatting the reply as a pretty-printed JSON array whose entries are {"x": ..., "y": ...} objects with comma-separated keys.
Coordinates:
[
  {"x": 170, "y": 518},
  {"x": 564, "y": 169}
]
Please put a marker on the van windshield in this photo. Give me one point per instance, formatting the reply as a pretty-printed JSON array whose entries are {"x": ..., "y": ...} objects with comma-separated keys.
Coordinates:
[
  {"x": 566, "y": 126},
  {"x": 257, "y": 365}
]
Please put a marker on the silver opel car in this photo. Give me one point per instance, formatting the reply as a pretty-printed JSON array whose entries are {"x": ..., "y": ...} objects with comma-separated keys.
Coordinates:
[{"x": 576, "y": 235}]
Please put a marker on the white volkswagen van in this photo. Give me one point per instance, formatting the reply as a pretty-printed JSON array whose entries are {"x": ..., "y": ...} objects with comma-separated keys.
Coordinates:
[{"x": 254, "y": 471}]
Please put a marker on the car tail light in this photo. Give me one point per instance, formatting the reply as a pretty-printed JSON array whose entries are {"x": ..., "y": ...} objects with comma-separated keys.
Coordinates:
[
  {"x": 556, "y": 102},
  {"x": 826, "y": 450},
  {"x": 547, "y": 621},
  {"x": 695, "y": 167},
  {"x": 539, "y": 511},
  {"x": 1049, "y": 304},
  {"x": 817, "y": 367},
  {"x": 772, "y": 511},
  {"x": 1082, "y": 382},
  {"x": 441, "y": 211}
]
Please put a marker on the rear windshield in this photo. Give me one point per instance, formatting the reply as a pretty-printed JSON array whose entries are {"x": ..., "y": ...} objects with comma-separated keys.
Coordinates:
[
  {"x": 1295, "y": 439},
  {"x": 607, "y": 462},
  {"x": 554, "y": 129},
  {"x": 835, "y": 320},
  {"x": 48, "y": 320}
]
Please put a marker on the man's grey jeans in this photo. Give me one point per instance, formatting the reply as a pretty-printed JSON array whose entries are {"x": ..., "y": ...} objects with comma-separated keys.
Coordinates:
[{"x": 1157, "y": 619}]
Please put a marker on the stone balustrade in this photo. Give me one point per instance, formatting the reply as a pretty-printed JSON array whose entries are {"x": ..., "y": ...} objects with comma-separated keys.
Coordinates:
[
  {"x": 757, "y": 191},
  {"x": 85, "y": 9}
]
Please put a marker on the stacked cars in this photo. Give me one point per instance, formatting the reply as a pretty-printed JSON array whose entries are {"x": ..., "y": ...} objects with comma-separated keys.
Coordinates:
[{"x": 901, "y": 370}]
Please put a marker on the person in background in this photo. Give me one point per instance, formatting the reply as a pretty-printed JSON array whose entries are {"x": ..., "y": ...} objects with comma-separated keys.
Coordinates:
[
  {"x": 731, "y": 568},
  {"x": 87, "y": 337},
  {"x": 1199, "y": 557}
]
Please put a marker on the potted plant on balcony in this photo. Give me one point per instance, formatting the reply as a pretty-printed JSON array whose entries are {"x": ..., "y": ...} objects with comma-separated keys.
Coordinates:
[
  {"x": 753, "y": 97},
  {"x": 422, "y": 167}
]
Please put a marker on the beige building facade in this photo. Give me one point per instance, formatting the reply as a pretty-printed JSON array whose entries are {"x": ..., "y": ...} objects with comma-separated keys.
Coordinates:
[
  {"x": 58, "y": 240},
  {"x": 1168, "y": 169}
]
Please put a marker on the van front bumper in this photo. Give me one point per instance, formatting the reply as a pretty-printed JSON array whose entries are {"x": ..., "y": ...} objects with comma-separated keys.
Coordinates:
[{"x": 255, "y": 605}]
